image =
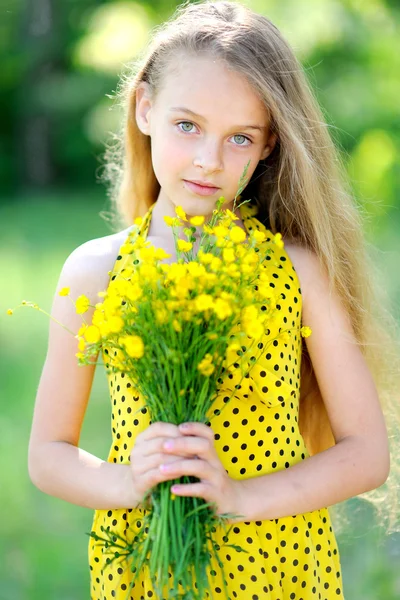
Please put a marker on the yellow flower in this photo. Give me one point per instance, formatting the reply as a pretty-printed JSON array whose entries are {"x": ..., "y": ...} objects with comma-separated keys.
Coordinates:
[
  {"x": 102, "y": 294},
  {"x": 205, "y": 367},
  {"x": 249, "y": 313},
  {"x": 115, "y": 324},
  {"x": 216, "y": 263},
  {"x": 10, "y": 311},
  {"x": 196, "y": 221},
  {"x": 134, "y": 345},
  {"x": 306, "y": 331},
  {"x": 177, "y": 326},
  {"x": 184, "y": 246},
  {"x": 134, "y": 292},
  {"x": 82, "y": 304},
  {"x": 204, "y": 302},
  {"x": 237, "y": 234},
  {"x": 264, "y": 291},
  {"x": 231, "y": 353},
  {"x": 220, "y": 231},
  {"x": 285, "y": 337},
  {"x": 126, "y": 248},
  {"x": 170, "y": 221},
  {"x": 81, "y": 344},
  {"x": 64, "y": 291},
  {"x": 232, "y": 270},
  {"x": 92, "y": 334},
  {"x": 246, "y": 269},
  {"x": 161, "y": 315},
  {"x": 278, "y": 240},
  {"x": 205, "y": 257},
  {"x": 228, "y": 255},
  {"x": 160, "y": 254},
  {"x": 222, "y": 308},
  {"x": 259, "y": 236},
  {"x": 181, "y": 213},
  {"x": 211, "y": 336},
  {"x": 147, "y": 254},
  {"x": 253, "y": 329},
  {"x": 195, "y": 269},
  {"x": 232, "y": 215},
  {"x": 181, "y": 289},
  {"x": 80, "y": 355}
]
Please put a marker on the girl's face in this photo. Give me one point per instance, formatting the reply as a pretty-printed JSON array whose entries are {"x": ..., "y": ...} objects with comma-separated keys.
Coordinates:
[{"x": 200, "y": 130}]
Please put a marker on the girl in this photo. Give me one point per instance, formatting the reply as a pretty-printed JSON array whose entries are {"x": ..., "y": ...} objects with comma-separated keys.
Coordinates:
[{"x": 218, "y": 87}]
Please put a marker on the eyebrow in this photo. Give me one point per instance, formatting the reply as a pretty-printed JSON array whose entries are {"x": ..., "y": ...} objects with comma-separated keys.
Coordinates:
[{"x": 190, "y": 112}]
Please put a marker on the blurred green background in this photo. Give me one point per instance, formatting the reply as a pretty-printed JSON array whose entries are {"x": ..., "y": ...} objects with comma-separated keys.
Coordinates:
[{"x": 59, "y": 69}]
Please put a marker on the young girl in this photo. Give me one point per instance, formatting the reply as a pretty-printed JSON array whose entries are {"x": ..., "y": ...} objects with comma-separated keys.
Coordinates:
[{"x": 218, "y": 87}]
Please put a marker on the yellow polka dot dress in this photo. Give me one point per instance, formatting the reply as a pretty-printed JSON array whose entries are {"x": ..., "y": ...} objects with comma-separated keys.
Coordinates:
[{"x": 291, "y": 558}]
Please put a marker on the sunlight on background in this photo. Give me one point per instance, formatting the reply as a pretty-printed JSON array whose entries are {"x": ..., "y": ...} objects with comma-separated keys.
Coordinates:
[
  {"x": 116, "y": 33},
  {"x": 371, "y": 169}
]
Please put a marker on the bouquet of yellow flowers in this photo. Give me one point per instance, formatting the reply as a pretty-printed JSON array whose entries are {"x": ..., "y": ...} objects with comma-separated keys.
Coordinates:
[{"x": 176, "y": 330}]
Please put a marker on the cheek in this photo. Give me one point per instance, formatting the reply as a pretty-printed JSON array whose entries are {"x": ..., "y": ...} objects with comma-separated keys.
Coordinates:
[{"x": 170, "y": 153}]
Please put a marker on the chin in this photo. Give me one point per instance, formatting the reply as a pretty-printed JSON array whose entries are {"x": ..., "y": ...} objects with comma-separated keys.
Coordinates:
[{"x": 198, "y": 206}]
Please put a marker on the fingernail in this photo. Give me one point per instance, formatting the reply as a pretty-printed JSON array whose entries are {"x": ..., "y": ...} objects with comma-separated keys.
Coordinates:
[
  {"x": 184, "y": 425},
  {"x": 169, "y": 445}
]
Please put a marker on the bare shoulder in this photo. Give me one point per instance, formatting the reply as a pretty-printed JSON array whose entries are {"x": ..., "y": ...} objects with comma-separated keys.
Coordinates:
[
  {"x": 86, "y": 269},
  {"x": 308, "y": 266},
  {"x": 322, "y": 304}
]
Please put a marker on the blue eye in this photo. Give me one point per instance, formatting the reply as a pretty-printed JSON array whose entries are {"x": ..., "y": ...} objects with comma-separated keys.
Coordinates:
[
  {"x": 244, "y": 137},
  {"x": 237, "y": 135},
  {"x": 184, "y": 123}
]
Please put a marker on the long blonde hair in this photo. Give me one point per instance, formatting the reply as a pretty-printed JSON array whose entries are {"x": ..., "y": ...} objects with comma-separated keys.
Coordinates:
[{"x": 301, "y": 188}]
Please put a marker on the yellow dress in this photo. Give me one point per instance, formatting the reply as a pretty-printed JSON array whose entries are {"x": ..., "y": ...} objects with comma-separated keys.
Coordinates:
[{"x": 291, "y": 558}]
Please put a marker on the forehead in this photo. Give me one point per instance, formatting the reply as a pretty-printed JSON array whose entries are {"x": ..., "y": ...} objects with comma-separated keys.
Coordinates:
[{"x": 209, "y": 87}]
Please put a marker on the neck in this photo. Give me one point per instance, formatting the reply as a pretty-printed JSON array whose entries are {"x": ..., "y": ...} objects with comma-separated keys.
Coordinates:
[{"x": 164, "y": 207}]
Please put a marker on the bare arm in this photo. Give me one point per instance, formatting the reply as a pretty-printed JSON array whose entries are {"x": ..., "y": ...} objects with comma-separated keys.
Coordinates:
[
  {"x": 359, "y": 461},
  {"x": 57, "y": 466}
]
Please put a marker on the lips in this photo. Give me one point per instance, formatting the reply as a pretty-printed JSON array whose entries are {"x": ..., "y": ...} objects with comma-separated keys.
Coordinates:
[
  {"x": 202, "y": 190},
  {"x": 202, "y": 183}
]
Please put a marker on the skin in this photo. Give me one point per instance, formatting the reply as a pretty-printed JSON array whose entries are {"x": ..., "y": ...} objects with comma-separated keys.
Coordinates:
[{"x": 360, "y": 459}]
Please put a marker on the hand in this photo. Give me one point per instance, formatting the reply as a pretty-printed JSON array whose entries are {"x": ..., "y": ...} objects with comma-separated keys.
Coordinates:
[
  {"x": 146, "y": 456},
  {"x": 215, "y": 486}
]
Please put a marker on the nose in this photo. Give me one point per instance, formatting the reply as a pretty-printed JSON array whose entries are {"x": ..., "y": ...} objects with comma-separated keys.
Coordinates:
[{"x": 209, "y": 157}]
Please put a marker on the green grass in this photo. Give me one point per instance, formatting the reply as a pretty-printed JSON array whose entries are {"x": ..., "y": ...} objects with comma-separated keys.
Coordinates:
[{"x": 42, "y": 539}]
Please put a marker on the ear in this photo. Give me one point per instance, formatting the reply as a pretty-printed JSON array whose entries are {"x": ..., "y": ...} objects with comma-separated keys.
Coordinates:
[
  {"x": 270, "y": 145},
  {"x": 143, "y": 107}
]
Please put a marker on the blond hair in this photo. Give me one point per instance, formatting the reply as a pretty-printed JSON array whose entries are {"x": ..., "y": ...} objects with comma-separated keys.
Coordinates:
[{"x": 301, "y": 189}]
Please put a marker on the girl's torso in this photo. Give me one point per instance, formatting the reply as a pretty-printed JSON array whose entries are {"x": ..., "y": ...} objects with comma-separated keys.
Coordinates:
[{"x": 256, "y": 432}]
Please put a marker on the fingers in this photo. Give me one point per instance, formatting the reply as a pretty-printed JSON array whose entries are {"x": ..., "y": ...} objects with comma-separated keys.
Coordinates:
[
  {"x": 197, "y": 468},
  {"x": 197, "y": 439},
  {"x": 199, "y": 429},
  {"x": 149, "y": 473},
  {"x": 158, "y": 429},
  {"x": 167, "y": 438},
  {"x": 188, "y": 446},
  {"x": 200, "y": 490},
  {"x": 185, "y": 450}
]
